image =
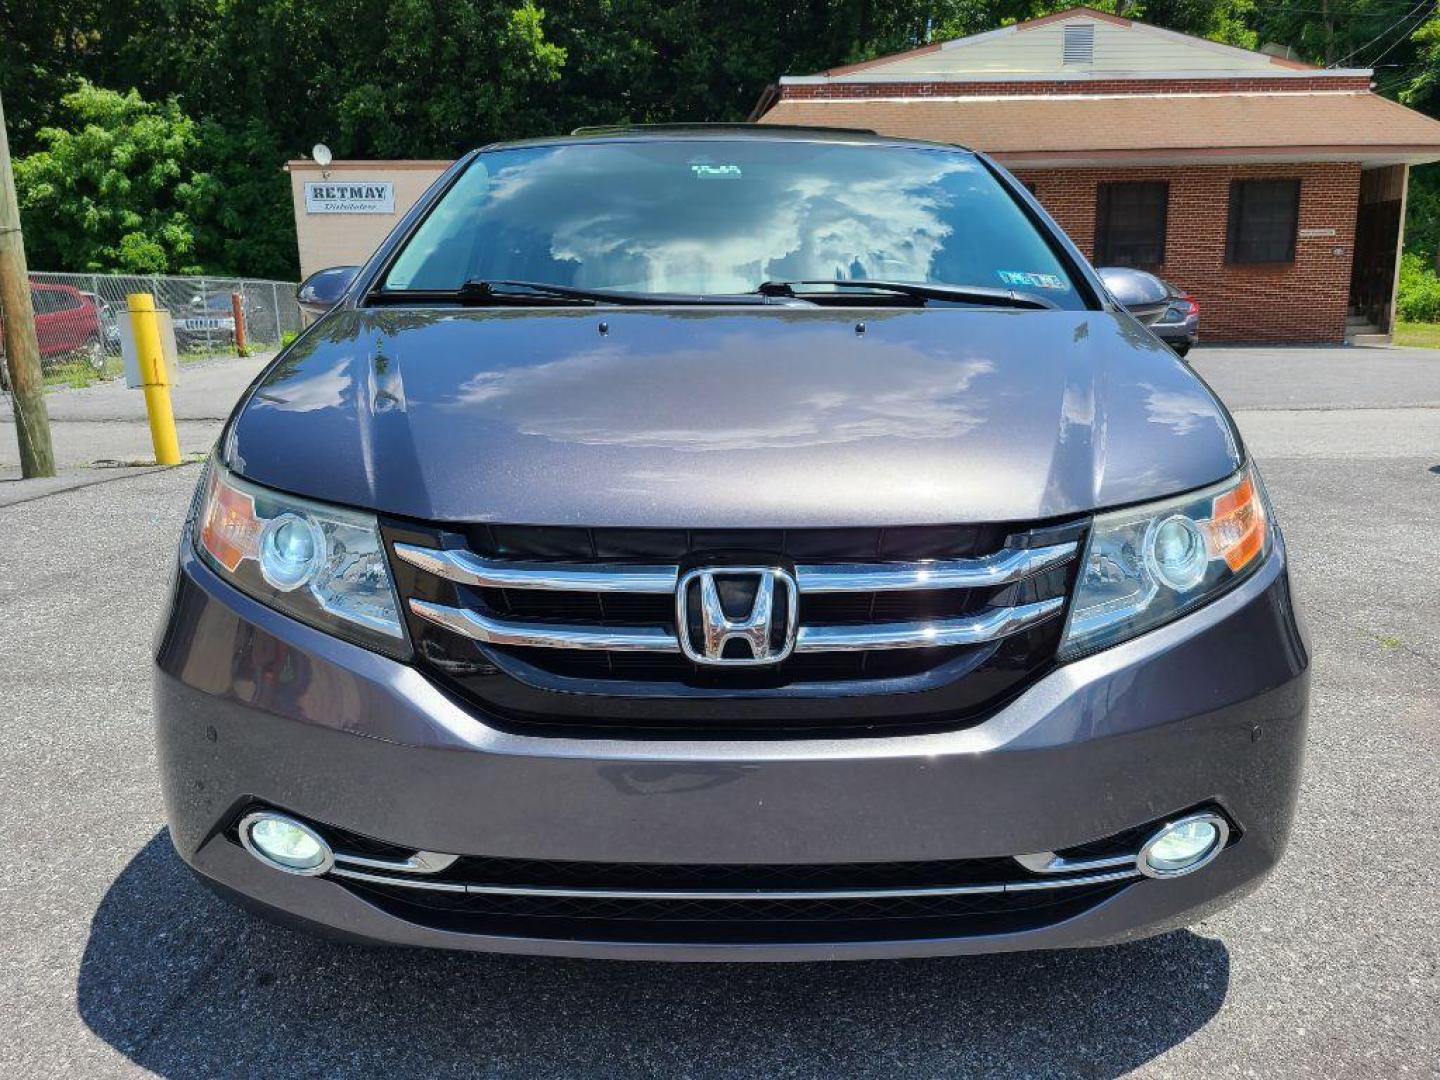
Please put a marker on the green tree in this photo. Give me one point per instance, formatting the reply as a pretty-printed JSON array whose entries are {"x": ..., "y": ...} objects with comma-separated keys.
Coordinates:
[
  {"x": 154, "y": 46},
  {"x": 229, "y": 89},
  {"x": 114, "y": 187},
  {"x": 380, "y": 78},
  {"x": 1422, "y": 217},
  {"x": 241, "y": 213},
  {"x": 1423, "y": 90}
]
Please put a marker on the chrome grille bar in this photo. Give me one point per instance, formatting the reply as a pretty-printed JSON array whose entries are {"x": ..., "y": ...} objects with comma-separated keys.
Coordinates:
[
  {"x": 472, "y": 624},
  {"x": 739, "y": 894},
  {"x": 1000, "y": 568},
  {"x": 469, "y": 569},
  {"x": 1047, "y": 862},
  {"x": 421, "y": 862},
  {"x": 970, "y": 630}
]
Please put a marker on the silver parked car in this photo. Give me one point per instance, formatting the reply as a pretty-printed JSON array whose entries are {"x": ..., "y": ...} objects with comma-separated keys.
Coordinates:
[
  {"x": 209, "y": 317},
  {"x": 1179, "y": 325},
  {"x": 1171, "y": 313}
]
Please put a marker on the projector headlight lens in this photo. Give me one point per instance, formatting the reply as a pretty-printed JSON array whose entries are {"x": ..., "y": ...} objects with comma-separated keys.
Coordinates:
[
  {"x": 1175, "y": 553},
  {"x": 1150, "y": 564},
  {"x": 291, "y": 551},
  {"x": 324, "y": 565}
]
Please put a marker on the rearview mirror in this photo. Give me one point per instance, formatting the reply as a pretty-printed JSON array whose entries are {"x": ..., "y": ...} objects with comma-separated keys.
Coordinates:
[
  {"x": 1143, "y": 295},
  {"x": 322, "y": 290}
]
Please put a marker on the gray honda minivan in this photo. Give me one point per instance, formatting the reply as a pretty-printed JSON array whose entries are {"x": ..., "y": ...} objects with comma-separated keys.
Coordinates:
[{"x": 736, "y": 543}]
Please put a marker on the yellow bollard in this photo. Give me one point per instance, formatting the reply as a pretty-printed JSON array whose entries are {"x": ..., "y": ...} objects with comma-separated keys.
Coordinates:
[{"x": 154, "y": 378}]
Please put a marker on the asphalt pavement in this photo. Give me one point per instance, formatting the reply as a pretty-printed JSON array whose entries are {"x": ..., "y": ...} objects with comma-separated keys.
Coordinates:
[
  {"x": 115, "y": 962},
  {"x": 104, "y": 425}
]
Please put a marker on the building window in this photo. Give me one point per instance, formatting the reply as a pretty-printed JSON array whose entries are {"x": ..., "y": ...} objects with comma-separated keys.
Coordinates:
[
  {"x": 1264, "y": 217},
  {"x": 1130, "y": 224}
]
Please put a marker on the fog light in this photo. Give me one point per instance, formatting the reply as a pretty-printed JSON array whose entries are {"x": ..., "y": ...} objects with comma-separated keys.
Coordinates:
[
  {"x": 285, "y": 844},
  {"x": 1183, "y": 846}
]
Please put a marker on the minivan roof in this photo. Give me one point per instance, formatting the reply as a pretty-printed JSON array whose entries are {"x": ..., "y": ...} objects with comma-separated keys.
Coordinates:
[{"x": 721, "y": 131}]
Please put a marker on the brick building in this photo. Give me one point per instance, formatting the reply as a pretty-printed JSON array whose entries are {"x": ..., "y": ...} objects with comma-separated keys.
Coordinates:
[{"x": 1270, "y": 189}]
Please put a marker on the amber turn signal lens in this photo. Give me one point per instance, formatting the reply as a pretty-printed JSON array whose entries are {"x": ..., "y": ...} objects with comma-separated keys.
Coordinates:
[
  {"x": 1236, "y": 529},
  {"x": 230, "y": 529}
]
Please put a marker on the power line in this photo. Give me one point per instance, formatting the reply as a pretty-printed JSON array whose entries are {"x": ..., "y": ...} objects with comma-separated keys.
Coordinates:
[
  {"x": 1417, "y": 9},
  {"x": 1399, "y": 79},
  {"x": 1395, "y": 44},
  {"x": 1360, "y": 9}
]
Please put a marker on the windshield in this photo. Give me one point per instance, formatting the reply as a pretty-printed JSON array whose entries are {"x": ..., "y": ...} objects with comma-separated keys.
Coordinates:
[{"x": 714, "y": 216}]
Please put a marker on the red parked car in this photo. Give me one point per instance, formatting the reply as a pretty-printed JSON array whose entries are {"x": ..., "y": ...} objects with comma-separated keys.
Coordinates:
[{"x": 67, "y": 325}]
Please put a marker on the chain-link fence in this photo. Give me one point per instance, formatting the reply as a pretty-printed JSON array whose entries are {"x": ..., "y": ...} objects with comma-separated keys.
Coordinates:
[{"x": 77, "y": 317}]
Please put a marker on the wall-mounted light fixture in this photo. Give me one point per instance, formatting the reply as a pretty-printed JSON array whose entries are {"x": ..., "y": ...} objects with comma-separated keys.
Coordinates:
[{"x": 321, "y": 153}]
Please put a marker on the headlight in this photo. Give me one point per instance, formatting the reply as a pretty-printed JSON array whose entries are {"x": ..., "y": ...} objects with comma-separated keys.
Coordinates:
[
  {"x": 323, "y": 565},
  {"x": 1149, "y": 564}
]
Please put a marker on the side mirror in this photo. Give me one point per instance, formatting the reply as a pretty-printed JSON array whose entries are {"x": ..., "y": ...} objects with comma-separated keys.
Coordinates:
[
  {"x": 322, "y": 290},
  {"x": 1143, "y": 295}
]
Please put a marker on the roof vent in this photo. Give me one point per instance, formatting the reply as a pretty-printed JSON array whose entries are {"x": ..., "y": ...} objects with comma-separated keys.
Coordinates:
[{"x": 1079, "y": 46}]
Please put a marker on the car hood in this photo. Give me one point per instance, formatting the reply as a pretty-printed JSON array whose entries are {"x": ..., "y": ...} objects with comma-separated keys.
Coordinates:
[{"x": 705, "y": 417}]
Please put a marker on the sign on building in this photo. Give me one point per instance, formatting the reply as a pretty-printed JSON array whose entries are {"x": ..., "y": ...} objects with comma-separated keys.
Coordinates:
[{"x": 349, "y": 197}]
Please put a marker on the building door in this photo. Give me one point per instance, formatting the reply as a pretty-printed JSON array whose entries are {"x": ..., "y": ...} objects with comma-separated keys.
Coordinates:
[{"x": 1377, "y": 244}]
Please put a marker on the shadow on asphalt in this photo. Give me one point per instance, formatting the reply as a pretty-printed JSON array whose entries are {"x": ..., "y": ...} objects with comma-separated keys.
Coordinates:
[{"x": 185, "y": 985}]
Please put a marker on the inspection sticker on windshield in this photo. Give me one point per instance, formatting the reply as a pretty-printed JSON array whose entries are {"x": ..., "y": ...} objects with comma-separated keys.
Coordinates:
[
  {"x": 1025, "y": 279},
  {"x": 716, "y": 172}
]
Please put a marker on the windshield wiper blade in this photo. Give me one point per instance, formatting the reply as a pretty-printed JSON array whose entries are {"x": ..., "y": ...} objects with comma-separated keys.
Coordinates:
[
  {"x": 505, "y": 290},
  {"x": 965, "y": 294}
]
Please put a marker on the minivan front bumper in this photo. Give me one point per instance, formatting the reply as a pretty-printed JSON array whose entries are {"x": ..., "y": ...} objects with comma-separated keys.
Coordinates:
[{"x": 253, "y": 708}]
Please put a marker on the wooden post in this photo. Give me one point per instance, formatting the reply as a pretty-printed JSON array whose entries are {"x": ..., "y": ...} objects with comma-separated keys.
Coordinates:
[
  {"x": 1390, "y": 312},
  {"x": 237, "y": 309},
  {"x": 22, "y": 352}
]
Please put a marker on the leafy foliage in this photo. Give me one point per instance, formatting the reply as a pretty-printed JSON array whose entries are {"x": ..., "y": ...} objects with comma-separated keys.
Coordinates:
[
  {"x": 1422, "y": 221},
  {"x": 115, "y": 187},
  {"x": 1418, "y": 299},
  {"x": 150, "y": 133}
]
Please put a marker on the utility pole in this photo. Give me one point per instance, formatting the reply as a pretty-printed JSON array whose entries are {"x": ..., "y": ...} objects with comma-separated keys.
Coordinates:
[
  {"x": 22, "y": 353},
  {"x": 1329, "y": 55}
]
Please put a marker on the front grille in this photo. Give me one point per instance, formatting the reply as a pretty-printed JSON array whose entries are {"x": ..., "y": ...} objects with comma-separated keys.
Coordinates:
[
  {"x": 760, "y": 877},
  {"x": 736, "y": 921},
  {"x": 723, "y": 902},
  {"x": 620, "y": 668},
  {"x": 564, "y": 628},
  {"x": 734, "y": 902}
]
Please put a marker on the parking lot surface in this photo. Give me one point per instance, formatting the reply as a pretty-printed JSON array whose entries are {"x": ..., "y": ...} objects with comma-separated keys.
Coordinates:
[
  {"x": 115, "y": 962},
  {"x": 106, "y": 422}
]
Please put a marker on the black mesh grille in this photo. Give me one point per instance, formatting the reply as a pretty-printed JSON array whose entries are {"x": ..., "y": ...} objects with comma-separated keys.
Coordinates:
[
  {"x": 527, "y": 542},
  {"x": 737, "y": 921},
  {"x": 1124, "y": 843},
  {"x": 618, "y": 609},
  {"x": 722, "y": 920},
  {"x": 672, "y": 667},
  {"x": 759, "y": 876}
]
